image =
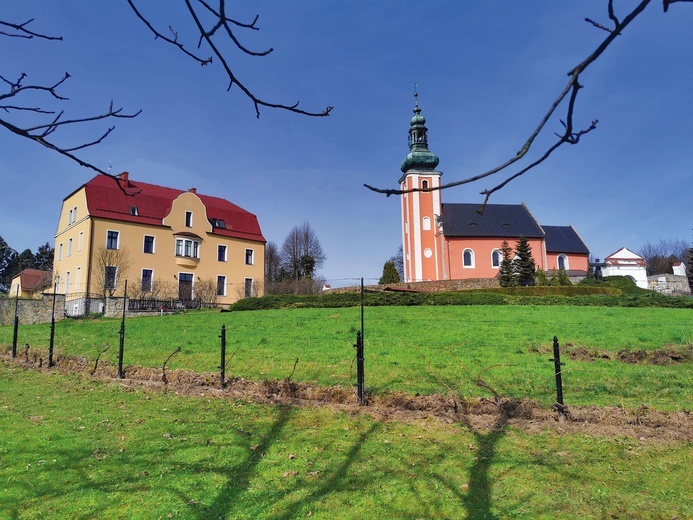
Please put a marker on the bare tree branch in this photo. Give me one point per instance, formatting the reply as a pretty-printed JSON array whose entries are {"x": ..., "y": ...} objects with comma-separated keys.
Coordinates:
[
  {"x": 44, "y": 133},
  {"x": 568, "y": 136},
  {"x": 222, "y": 24}
]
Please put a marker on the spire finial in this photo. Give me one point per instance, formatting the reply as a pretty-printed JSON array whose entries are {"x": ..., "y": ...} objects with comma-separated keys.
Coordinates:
[{"x": 416, "y": 94}]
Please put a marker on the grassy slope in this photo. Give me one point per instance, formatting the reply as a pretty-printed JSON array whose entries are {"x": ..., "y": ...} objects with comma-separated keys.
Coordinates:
[
  {"x": 413, "y": 349},
  {"x": 74, "y": 448}
]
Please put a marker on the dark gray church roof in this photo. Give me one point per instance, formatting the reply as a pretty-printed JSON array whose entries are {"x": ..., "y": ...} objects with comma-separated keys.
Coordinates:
[
  {"x": 564, "y": 239},
  {"x": 497, "y": 220}
]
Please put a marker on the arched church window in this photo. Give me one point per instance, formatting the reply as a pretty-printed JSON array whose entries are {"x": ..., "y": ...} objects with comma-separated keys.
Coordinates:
[
  {"x": 562, "y": 262},
  {"x": 426, "y": 224},
  {"x": 424, "y": 185},
  {"x": 468, "y": 258},
  {"x": 496, "y": 258}
]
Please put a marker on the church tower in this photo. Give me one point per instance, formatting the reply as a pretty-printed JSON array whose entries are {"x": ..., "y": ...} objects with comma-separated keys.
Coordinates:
[{"x": 421, "y": 206}]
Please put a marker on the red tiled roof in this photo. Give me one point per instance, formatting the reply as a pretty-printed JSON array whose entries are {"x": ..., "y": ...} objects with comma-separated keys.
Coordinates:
[
  {"x": 105, "y": 199},
  {"x": 33, "y": 279}
]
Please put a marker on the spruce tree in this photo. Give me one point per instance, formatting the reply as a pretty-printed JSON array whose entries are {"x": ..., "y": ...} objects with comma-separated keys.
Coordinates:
[
  {"x": 390, "y": 274},
  {"x": 689, "y": 269},
  {"x": 524, "y": 263},
  {"x": 505, "y": 273}
]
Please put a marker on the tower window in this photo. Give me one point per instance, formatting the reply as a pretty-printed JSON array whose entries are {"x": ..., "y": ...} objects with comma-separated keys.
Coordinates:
[
  {"x": 424, "y": 185},
  {"x": 426, "y": 224}
]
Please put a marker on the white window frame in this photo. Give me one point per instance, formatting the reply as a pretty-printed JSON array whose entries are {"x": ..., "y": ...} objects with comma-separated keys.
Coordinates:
[
  {"x": 151, "y": 280},
  {"x": 67, "y": 282},
  {"x": 500, "y": 258},
  {"x": 184, "y": 245},
  {"x": 144, "y": 242},
  {"x": 117, "y": 239},
  {"x": 80, "y": 241},
  {"x": 188, "y": 219},
  {"x": 69, "y": 247},
  {"x": 471, "y": 253},
  {"x": 60, "y": 251},
  {"x": 226, "y": 253},
  {"x": 115, "y": 278},
  {"x": 426, "y": 224},
  {"x": 219, "y": 276},
  {"x": 565, "y": 262},
  {"x": 252, "y": 256}
]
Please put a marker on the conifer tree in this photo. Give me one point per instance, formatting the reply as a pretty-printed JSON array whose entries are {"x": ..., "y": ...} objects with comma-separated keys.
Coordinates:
[
  {"x": 390, "y": 274},
  {"x": 524, "y": 266},
  {"x": 505, "y": 273}
]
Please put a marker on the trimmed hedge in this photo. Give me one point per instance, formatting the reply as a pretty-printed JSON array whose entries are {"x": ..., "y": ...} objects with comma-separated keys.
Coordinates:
[{"x": 568, "y": 295}]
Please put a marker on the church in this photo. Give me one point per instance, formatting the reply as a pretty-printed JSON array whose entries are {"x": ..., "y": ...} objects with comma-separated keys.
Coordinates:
[{"x": 453, "y": 241}]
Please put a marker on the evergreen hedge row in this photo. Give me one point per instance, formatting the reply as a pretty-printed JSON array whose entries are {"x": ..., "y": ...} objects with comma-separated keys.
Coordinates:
[{"x": 568, "y": 295}]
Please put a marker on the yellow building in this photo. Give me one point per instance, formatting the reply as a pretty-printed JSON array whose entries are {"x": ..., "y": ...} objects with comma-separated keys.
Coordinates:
[{"x": 168, "y": 244}]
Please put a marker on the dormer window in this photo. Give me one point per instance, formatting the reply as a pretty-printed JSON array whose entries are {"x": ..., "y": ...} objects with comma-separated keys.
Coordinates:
[
  {"x": 188, "y": 218},
  {"x": 133, "y": 211},
  {"x": 218, "y": 223}
]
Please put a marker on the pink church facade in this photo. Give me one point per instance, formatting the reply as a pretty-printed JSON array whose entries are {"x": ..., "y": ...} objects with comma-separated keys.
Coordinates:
[{"x": 456, "y": 241}]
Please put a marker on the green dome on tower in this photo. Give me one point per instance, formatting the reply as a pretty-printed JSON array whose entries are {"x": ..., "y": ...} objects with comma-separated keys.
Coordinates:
[{"x": 419, "y": 156}]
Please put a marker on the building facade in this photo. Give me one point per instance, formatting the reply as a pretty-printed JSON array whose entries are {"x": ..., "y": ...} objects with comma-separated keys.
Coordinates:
[
  {"x": 444, "y": 241},
  {"x": 165, "y": 242}
]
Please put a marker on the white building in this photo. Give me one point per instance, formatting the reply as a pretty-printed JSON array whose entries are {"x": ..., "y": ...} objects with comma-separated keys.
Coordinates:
[{"x": 626, "y": 263}]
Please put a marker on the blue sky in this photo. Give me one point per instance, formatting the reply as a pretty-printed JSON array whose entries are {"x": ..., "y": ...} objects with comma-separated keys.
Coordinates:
[{"x": 487, "y": 71}]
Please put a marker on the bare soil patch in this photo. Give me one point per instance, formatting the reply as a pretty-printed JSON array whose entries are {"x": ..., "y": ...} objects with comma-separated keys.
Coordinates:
[{"x": 479, "y": 414}]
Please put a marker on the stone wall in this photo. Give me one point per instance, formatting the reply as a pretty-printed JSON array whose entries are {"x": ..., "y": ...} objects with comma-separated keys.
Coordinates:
[
  {"x": 33, "y": 310},
  {"x": 430, "y": 286}
]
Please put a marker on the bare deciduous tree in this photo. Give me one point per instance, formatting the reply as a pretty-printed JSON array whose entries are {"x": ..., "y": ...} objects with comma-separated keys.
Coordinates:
[
  {"x": 302, "y": 254},
  {"x": 110, "y": 269},
  {"x": 210, "y": 25},
  {"x": 569, "y": 134},
  {"x": 661, "y": 257}
]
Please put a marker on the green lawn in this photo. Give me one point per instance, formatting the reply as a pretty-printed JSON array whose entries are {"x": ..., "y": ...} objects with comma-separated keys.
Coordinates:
[
  {"x": 75, "y": 448},
  {"x": 411, "y": 349}
]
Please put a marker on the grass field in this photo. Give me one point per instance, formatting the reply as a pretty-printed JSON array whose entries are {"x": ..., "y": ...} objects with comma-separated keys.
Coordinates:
[
  {"x": 71, "y": 447},
  {"x": 74, "y": 447},
  {"x": 411, "y": 349}
]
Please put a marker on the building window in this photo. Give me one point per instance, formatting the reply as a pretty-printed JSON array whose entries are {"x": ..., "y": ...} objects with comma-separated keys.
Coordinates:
[
  {"x": 496, "y": 258},
  {"x": 112, "y": 240},
  {"x": 148, "y": 244},
  {"x": 72, "y": 216},
  {"x": 188, "y": 218},
  {"x": 424, "y": 185},
  {"x": 67, "y": 282},
  {"x": 60, "y": 251},
  {"x": 133, "y": 211},
  {"x": 248, "y": 288},
  {"x": 110, "y": 275},
  {"x": 426, "y": 224},
  {"x": 78, "y": 278},
  {"x": 562, "y": 262},
  {"x": 69, "y": 247},
  {"x": 468, "y": 258},
  {"x": 187, "y": 247},
  {"x": 147, "y": 280},
  {"x": 221, "y": 285},
  {"x": 249, "y": 260},
  {"x": 80, "y": 241},
  {"x": 185, "y": 286},
  {"x": 428, "y": 253},
  {"x": 221, "y": 253}
]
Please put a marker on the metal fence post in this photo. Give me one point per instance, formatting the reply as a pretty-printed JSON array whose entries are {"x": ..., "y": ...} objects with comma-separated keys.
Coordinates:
[
  {"x": 16, "y": 324},
  {"x": 359, "y": 368},
  {"x": 222, "y": 366},
  {"x": 50, "y": 344},
  {"x": 559, "y": 382},
  {"x": 121, "y": 375}
]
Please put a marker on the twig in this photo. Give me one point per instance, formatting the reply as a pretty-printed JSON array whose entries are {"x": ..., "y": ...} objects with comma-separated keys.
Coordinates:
[
  {"x": 163, "y": 367},
  {"x": 287, "y": 379},
  {"x": 97, "y": 358}
]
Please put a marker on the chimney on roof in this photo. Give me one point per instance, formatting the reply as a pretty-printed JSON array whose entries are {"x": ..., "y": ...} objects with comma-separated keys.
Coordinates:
[
  {"x": 124, "y": 177},
  {"x": 193, "y": 190}
]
